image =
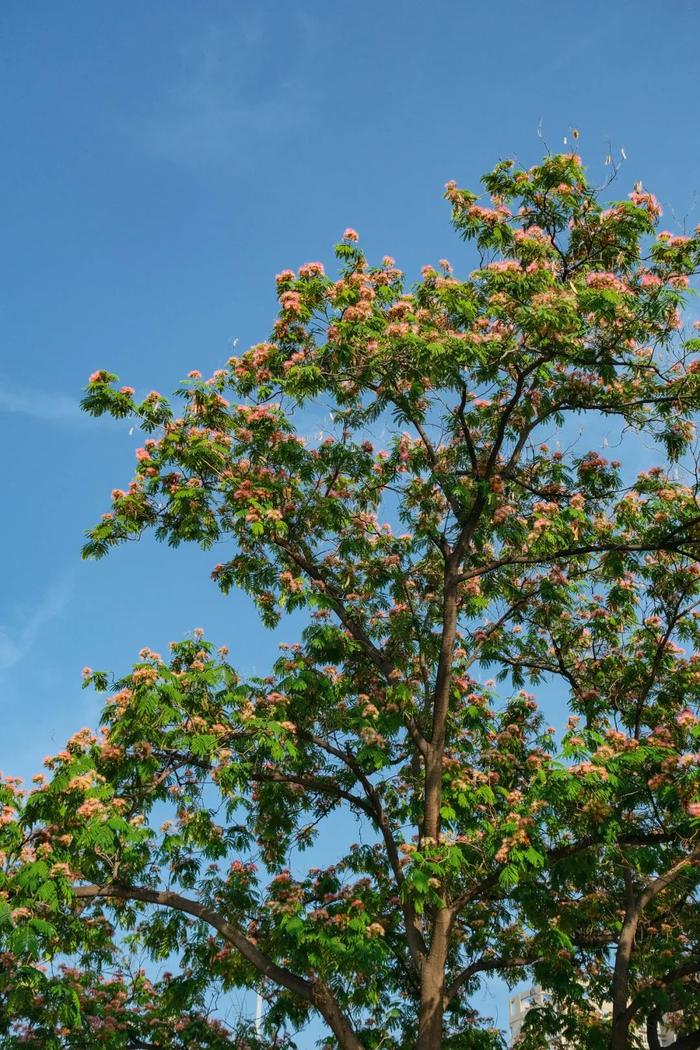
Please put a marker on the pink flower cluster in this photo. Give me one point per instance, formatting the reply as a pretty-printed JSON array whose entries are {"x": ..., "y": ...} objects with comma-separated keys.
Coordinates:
[
  {"x": 284, "y": 276},
  {"x": 647, "y": 201},
  {"x": 531, "y": 233},
  {"x": 606, "y": 281},
  {"x": 490, "y": 216},
  {"x": 312, "y": 269},
  {"x": 291, "y": 302}
]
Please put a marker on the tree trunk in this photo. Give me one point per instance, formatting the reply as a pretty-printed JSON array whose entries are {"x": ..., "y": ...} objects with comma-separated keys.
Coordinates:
[
  {"x": 432, "y": 991},
  {"x": 653, "y": 1032},
  {"x": 431, "y": 1010},
  {"x": 620, "y": 984},
  {"x": 326, "y": 1005}
]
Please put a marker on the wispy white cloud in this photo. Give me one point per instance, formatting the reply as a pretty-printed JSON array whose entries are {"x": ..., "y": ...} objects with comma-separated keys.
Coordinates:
[
  {"x": 16, "y": 643},
  {"x": 235, "y": 83},
  {"x": 50, "y": 406}
]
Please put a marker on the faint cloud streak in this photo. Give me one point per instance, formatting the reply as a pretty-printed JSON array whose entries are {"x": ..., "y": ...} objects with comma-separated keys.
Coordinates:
[
  {"x": 233, "y": 85},
  {"x": 49, "y": 406},
  {"x": 16, "y": 644}
]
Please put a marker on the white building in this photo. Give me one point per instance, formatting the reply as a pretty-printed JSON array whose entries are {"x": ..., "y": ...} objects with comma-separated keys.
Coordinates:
[{"x": 519, "y": 1004}]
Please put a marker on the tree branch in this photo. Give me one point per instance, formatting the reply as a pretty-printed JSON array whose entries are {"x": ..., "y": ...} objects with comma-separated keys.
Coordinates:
[
  {"x": 483, "y": 965},
  {"x": 316, "y": 993}
]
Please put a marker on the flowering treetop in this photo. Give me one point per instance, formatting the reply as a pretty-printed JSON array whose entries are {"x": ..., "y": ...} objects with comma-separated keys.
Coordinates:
[{"x": 446, "y": 521}]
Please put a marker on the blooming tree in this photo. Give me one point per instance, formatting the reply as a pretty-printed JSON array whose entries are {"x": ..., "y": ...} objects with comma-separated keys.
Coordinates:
[
  {"x": 448, "y": 519},
  {"x": 83, "y": 1009}
]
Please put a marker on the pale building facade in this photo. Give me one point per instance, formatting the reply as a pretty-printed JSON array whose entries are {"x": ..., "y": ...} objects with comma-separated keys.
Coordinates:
[{"x": 519, "y": 1004}]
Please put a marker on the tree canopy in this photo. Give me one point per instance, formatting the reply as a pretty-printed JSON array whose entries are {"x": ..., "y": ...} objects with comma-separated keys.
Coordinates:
[{"x": 450, "y": 522}]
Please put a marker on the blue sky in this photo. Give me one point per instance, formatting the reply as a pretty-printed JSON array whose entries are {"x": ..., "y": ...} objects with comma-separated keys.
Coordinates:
[{"x": 162, "y": 161}]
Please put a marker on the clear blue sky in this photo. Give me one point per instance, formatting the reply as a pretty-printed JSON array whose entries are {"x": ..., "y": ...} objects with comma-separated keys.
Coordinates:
[{"x": 162, "y": 161}]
